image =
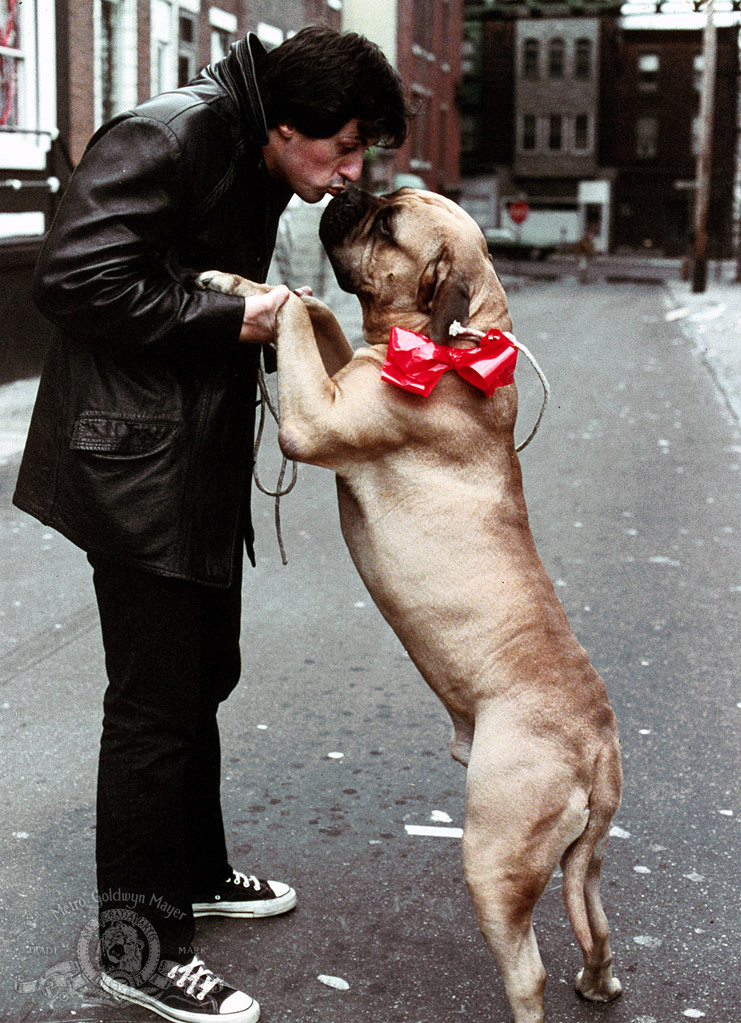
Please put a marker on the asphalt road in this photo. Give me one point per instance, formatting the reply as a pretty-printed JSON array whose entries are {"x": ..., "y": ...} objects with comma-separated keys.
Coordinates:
[{"x": 333, "y": 744}]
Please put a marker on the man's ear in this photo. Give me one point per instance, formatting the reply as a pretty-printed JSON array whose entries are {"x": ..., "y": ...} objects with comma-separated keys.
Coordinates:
[{"x": 443, "y": 293}]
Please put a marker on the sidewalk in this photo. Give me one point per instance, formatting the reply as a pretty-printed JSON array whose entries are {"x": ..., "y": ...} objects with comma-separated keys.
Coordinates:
[{"x": 712, "y": 321}]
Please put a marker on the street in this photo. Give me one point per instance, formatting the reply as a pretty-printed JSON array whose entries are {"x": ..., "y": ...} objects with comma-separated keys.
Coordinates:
[{"x": 332, "y": 743}]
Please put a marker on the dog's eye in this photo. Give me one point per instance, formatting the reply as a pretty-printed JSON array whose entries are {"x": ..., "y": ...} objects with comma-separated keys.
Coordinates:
[{"x": 383, "y": 223}]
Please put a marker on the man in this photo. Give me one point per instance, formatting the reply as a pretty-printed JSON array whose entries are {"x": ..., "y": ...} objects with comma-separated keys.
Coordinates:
[{"x": 140, "y": 452}]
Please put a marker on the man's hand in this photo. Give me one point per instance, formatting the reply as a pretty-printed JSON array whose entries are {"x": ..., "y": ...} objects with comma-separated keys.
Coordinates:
[{"x": 258, "y": 322}]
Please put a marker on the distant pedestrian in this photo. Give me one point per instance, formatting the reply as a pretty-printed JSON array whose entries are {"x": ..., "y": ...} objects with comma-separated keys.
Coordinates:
[
  {"x": 140, "y": 452},
  {"x": 585, "y": 254}
]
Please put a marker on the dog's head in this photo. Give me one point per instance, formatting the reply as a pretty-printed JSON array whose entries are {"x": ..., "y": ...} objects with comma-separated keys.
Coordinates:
[{"x": 415, "y": 260}]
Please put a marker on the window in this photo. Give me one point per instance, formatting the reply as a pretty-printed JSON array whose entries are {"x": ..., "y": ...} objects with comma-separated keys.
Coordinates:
[
  {"x": 174, "y": 35},
  {"x": 424, "y": 24},
  {"x": 530, "y": 58},
  {"x": 647, "y": 137},
  {"x": 420, "y": 130},
  {"x": 583, "y": 59},
  {"x": 161, "y": 45},
  {"x": 556, "y": 58},
  {"x": 581, "y": 132},
  {"x": 27, "y": 84},
  {"x": 12, "y": 58},
  {"x": 696, "y": 135},
  {"x": 445, "y": 52},
  {"x": 555, "y": 132},
  {"x": 187, "y": 47},
  {"x": 115, "y": 55},
  {"x": 648, "y": 72},
  {"x": 529, "y": 132},
  {"x": 108, "y": 62},
  {"x": 698, "y": 66},
  {"x": 223, "y": 32}
]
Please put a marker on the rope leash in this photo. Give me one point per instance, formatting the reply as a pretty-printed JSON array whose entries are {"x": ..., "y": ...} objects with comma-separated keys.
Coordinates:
[
  {"x": 456, "y": 330},
  {"x": 280, "y": 491}
]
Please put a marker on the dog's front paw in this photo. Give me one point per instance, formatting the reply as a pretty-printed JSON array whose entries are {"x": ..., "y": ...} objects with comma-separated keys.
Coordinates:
[{"x": 227, "y": 284}]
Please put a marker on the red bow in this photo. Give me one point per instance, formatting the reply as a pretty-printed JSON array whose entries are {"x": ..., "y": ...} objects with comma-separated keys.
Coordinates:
[{"x": 415, "y": 363}]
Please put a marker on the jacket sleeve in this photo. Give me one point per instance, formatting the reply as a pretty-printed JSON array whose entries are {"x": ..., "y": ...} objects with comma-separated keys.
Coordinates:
[{"x": 103, "y": 272}]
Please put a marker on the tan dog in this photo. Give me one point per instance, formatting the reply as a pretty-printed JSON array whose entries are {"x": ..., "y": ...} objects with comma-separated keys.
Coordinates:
[{"x": 432, "y": 510}]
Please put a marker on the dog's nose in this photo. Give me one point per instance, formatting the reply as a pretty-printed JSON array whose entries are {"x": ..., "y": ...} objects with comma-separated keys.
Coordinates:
[{"x": 343, "y": 214}]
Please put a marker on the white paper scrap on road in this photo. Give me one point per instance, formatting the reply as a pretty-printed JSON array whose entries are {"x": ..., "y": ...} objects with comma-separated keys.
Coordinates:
[
  {"x": 616, "y": 832},
  {"x": 441, "y": 817},
  {"x": 335, "y": 982},
  {"x": 426, "y": 831}
]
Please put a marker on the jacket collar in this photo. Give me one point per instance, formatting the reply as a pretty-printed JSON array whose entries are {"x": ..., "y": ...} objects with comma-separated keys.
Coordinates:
[{"x": 237, "y": 75}]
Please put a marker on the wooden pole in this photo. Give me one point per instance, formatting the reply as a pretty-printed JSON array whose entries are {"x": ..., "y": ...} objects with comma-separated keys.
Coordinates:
[{"x": 705, "y": 154}]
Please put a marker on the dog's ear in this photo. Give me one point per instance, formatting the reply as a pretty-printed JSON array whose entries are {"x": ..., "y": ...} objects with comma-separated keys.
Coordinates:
[{"x": 443, "y": 293}]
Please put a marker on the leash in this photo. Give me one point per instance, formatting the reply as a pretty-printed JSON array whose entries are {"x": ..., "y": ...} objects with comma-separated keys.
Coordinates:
[
  {"x": 470, "y": 333},
  {"x": 456, "y": 330},
  {"x": 280, "y": 491}
]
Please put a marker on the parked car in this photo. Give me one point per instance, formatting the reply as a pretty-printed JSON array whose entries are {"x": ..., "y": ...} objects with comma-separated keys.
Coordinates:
[{"x": 502, "y": 241}]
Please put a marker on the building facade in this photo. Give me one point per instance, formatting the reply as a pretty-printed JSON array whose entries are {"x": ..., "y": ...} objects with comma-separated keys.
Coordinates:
[
  {"x": 67, "y": 66},
  {"x": 422, "y": 38},
  {"x": 591, "y": 118}
]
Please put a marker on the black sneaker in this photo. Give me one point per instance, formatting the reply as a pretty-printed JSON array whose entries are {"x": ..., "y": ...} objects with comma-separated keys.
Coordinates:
[
  {"x": 244, "y": 895},
  {"x": 188, "y": 993}
]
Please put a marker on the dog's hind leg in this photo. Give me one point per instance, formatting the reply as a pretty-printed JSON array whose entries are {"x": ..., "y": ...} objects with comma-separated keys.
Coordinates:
[
  {"x": 520, "y": 817},
  {"x": 596, "y": 981},
  {"x": 582, "y": 869}
]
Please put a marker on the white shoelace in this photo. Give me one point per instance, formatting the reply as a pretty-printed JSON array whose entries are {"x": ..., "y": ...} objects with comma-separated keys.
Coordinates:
[
  {"x": 194, "y": 974},
  {"x": 248, "y": 880}
]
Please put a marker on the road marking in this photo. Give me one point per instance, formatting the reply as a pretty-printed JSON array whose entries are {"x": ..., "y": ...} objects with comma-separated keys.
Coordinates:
[{"x": 429, "y": 832}]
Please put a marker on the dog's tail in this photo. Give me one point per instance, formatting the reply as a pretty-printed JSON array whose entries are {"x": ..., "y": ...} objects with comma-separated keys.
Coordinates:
[{"x": 582, "y": 861}]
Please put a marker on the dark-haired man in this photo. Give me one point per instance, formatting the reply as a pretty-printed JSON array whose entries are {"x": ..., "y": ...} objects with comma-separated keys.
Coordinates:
[{"x": 140, "y": 452}]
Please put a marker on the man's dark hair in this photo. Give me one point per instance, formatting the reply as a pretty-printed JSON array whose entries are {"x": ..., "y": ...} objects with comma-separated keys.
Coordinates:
[{"x": 320, "y": 79}]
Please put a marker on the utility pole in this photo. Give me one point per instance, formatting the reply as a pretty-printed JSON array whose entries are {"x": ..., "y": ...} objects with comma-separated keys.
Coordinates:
[{"x": 704, "y": 156}]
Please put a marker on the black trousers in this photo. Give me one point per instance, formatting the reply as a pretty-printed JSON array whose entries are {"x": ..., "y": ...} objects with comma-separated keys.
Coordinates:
[{"x": 172, "y": 655}]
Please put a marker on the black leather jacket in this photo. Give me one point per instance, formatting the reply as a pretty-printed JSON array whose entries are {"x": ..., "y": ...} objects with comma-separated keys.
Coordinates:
[{"x": 140, "y": 446}]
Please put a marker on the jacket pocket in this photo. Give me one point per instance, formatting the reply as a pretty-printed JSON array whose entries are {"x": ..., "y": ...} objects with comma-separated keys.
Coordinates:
[{"x": 121, "y": 435}]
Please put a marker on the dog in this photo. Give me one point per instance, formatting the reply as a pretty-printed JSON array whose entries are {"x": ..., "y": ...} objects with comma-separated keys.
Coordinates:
[{"x": 433, "y": 513}]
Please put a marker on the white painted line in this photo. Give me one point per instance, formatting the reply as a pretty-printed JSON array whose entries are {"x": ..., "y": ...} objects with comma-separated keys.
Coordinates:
[{"x": 428, "y": 832}]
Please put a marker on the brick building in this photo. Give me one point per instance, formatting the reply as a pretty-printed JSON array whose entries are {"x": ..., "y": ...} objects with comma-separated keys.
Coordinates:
[
  {"x": 66, "y": 66},
  {"x": 592, "y": 118}
]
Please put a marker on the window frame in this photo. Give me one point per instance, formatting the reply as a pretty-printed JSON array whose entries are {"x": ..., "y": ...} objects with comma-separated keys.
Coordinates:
[
  {"x": 26, "y": 143},
  {"x": 530, "y": 65}
]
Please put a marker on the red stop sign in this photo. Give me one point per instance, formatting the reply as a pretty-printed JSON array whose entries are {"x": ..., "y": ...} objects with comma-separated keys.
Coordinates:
[{"x": 518, "y": 212}]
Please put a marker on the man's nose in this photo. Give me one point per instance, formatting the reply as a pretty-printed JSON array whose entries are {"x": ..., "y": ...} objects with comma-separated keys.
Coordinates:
[{"x": 352, "y": 167}]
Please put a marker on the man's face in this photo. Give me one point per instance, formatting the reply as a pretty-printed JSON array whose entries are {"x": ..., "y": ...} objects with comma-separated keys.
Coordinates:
[{"x": 315, "y": 167}]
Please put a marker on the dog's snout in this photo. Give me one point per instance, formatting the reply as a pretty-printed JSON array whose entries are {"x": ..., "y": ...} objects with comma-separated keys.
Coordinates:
[{"x": 343, "y": 214}]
